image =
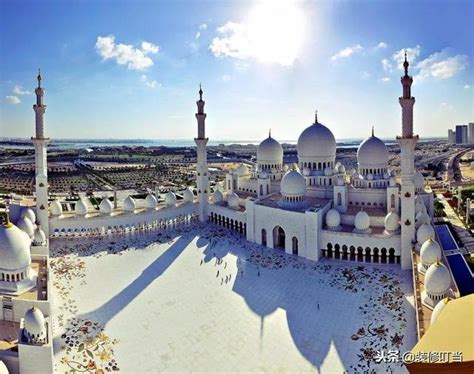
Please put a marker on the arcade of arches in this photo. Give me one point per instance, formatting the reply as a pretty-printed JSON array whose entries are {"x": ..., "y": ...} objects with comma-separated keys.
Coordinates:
[
  {"x": 227, "y": 222},
  {"x": 359, "y": 254}
]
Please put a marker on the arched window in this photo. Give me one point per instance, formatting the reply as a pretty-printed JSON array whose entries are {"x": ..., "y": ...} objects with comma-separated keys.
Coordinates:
[
  {"x": 294, "y": 243},
  {"x": 261, "y": 189}
]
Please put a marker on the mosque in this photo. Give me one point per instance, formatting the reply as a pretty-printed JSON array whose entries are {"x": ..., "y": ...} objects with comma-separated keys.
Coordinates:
[{"x": 314, "y": 209}]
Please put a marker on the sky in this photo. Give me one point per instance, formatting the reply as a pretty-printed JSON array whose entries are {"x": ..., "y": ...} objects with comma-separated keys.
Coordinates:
[{"x": 131, "y": 69}]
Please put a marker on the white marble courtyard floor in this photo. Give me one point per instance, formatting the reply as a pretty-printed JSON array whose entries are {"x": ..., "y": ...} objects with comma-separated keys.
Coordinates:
[{"x": 145, "y": 303}]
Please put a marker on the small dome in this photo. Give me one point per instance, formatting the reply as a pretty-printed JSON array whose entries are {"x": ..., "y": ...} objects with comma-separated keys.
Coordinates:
[
  {"x": 437, "y": 279},
  {"x": 129, "y": 204},
  {"x": 419, "y": 180},
  {"x": 242, "y": 170},
  {"x": 422, "y": 218},
  {"x": 293, "y": 184},
  {"x": 56, "y": 208},
  {"x": 218, "y": 196},
  {"x": 425, "y": 231},
  {"x": 285, "y": 168},
  {"x": 430, "y": 252},
  {"x": 392, "y": 182},
  {"x": 270, "y": 151},
  {"x": 34, "y": 323},
  {"x": 233, "y": 200},
  {"x": 188, "y": 195},
  {"x": 29, "y": 213},
  {"x": 26, "y": 225},
  {"x": 372, "y": 152},
  {"x": 333, "y": 218},
  {"x": 39, "y": 237},
  {"x": 170, "y": 198},
  {"x": 150, "y": 201},
  {"x": 306, "y": 171},
  {"x": 106, "y": 206},
  {"x": 3, "y": 368},
  {"x": 328, "y": 171},
  {"x": 342, "y": 169},
  {"x": 14, "y": 248},
  {"x": 81, "y": 208},
  {"x": 392, "y": 221},
  {"x": 362, "y": 221},
  {"x": 438, "y": 310},
  {"x": 316, "y": 141}
]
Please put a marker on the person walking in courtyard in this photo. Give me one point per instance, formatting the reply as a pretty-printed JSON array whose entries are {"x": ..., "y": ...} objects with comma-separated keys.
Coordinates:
[{"x": 318, "y": 306}]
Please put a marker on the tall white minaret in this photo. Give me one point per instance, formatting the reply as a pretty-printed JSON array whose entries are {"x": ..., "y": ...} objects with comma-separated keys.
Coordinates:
[
  {"x": 202, "y": 177},
  {"x": 41, "y": 163},
  {"x": 407, "y": 144}
]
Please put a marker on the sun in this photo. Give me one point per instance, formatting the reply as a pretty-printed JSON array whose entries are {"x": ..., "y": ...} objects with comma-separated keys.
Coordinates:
[{"x": 276, "y": 31}]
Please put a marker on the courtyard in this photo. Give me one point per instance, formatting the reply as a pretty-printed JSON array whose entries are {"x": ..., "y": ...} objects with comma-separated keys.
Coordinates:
[{"x": 201, "y": 298}]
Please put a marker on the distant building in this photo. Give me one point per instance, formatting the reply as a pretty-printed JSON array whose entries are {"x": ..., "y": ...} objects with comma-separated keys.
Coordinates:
[
  {"x": 461, "y": 134},
  {"x": 471, "y": 132},
  {"x": 451, "y": 136}
]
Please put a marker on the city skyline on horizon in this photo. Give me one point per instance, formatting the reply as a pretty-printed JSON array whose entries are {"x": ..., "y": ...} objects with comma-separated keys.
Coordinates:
[{"x": 269, "y": 67}]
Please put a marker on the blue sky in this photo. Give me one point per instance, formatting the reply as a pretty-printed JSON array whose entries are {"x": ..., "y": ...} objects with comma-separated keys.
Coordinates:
[{"x": 131, "y": 69}]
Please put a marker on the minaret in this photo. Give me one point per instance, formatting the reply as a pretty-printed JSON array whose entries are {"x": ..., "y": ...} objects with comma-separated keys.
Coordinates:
[
  {"x": 202, "y": 178},
  {"x": 41, "y": 164},
  {"x": 407, "y": 144}
]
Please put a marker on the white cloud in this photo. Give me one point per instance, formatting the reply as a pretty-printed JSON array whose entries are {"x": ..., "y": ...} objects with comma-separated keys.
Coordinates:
[
  {"x": 226, "y": 78},
  {"x": 198, "y": 34},
  {"x": 203, "y": 27},
  {"x": 234, "y": 41},
  {"x": 148, "y": 82},
  {"x": 446, "y": 106},
  {"x": 440, "y": 65},
  {"x": 467, "y": 86},
  {"x": 347, "y": 52},
  {"x": 412, "y": 55},
  {"x": 387, "y": 65},
  {"x": 126, "y": 54},
  {"x": 12, "y": 100},
  {"x": 381, "y": 45},
  {"x": 18, "y": 90},
  {"x": 384, "y": 79},
  {"x": 148, "y": 47}
]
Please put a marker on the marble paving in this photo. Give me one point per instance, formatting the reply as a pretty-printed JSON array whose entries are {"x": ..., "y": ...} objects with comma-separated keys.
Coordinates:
[{"x": 200, "y": 298}]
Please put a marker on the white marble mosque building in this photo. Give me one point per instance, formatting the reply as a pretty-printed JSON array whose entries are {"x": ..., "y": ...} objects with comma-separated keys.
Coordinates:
[{"x": 314, "y": 209}]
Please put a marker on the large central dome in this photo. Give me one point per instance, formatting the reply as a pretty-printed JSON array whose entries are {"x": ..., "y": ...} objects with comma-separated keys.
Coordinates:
[{"x": 316, "y": 141}]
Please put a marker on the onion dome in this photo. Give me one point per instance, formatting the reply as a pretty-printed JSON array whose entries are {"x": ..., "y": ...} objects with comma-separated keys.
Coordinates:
[
  {"x": 424, "y": 232},
  {"x": 437, "y": 279},
  {"x": 316, "y": 141},
  {"x": 106, "y": 206},
  {"x": 306, "y": 171},
  {"x": 56, "y": 208},
  {"x": 391, "y": 222},
  {"x": 81, "y": 208},
  {"x": 129, "y": 204},
  {"x": 333, "y": 219},
  {"x": 233, "y": 200},
  {"x": 430, "y": 252},
  {"x": 29, "y": 213},
  {"x": 286, "y": 168},
  {"x": 328, "y": 171},
  {"x": 188, "y": 195},
  {"x": 150, "y": 201},
  {"x": 39, "y": 237},
  {"x": 340, "y": 180},
  {"x": 362, "y": 222},
  {"x": 422, "y": 218},
  {"x": 26, "y": 225},
  {"x": 242, "y": 170},
  {"x": 14, "y": 248},
  {"x": 218, "y": 196},
  {"x": 419, "y": 180},
  {"x": 293, "y": 184},
  {"x": 372, "y": 153},
  {"x": 35, "y": 325},
  {"x": 342, "y": 169},
  {"x": 392, "y": 182},
  {"x": 170, "y": 198},
  {"x": 438, "y": 309},
  {"x": 270, "y": 151}
]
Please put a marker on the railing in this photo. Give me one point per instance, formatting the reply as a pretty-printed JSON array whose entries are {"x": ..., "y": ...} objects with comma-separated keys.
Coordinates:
[{"x": 420, "y": 323}]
